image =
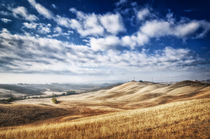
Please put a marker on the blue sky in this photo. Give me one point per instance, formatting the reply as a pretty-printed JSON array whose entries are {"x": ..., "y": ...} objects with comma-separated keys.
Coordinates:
[{"x": 92, "y": 41}]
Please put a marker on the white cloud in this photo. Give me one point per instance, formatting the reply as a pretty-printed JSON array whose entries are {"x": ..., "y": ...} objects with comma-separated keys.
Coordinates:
[
  {"x": 30, "y": 25},
  {"x": 156, "y": 28},
  {"x": 58, "y": 29},
  {"x": 101, "y": 44},
  {"x": 5, "y": 13},
  {"x": 93, "y": 24},
  {"x": 44, "y": 55},
  {"x": 41, "y": 9},
  {"x": 206, "y": 28},
  {"x": 100, "y": 25},
  {"x": 21, "y": 11},
  {"x": 161, "y": 28},
  {"x": 120, "y": 2},
  {"x": 63, "y": 21},
  {"x": 152, "y": 29},
  {"x": 79, "y": 14},
  {"x": 35, "y": 54},
  {"x": 76, "y": 25},
  {"x": 109, "y": 25},
  {"x": 44, "y": 29},
  {"x": 142, "y": 14},
  {"x": 135, "y": 40},
  {"x": 5, "y": 20},
  {"x": 87, "y": 25},
  {"x": 39, "y": 27},
  {"x": 112, "y": 23},
  {"x": 186, "y": 29},
  {"x": 129, "y": 41},
  {"x": 175, "y": 54},
  {"x": 54, "y": 6}
]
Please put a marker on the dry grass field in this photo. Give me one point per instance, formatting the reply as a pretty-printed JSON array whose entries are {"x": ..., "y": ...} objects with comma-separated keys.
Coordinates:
[{"x": 130, "y": 110}]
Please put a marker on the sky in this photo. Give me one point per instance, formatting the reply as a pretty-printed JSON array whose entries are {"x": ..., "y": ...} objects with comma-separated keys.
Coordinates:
[{"x": 101, "y": 41}]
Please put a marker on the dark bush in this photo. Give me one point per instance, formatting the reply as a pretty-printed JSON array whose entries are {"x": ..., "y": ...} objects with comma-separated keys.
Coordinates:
[
  {"x": 54, "y": 100},
  {"x": 70, "y": 92}
]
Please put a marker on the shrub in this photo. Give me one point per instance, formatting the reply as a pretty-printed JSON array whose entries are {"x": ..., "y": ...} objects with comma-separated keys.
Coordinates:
[
  {"x": 54, "y": 100},
  {"x": 70, "y": 92},
  {"x": 10, "y": 99}
]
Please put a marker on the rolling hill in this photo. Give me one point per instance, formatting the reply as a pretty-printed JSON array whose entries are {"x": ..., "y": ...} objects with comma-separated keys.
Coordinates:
[
  {"x": 135, "y": 109},
  {"x": 132, "y": 95}
]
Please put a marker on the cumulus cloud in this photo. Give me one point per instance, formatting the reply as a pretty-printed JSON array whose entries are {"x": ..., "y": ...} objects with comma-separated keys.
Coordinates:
[
  {"x": 160, "y": 28},
  {"x": 93, "y": 24},
  {"x": 87, "y": 25},
  {"x": 135, "y": 40},
  {"x": 120, "y": 2},
  {"x": 5, "y": 20},
  {"x": 99, "y": 53},
  {"x": 186, "y": 29},
  {"x": 156, "y": 28},
  {"x": 44, "y": 29},
  {"x": 41, "y": 9},
  {"x": 79, "y": 14},
  {"x": 152, "y": 29},
  {"x": 104, "y": 43},
  {"x": 45, "y": 55},
  {"x": 35, "y": 54},
  {"x": 112, "y": 23},
  {"x": 63, "y": 21},
  {"x": 30, "y": 25},
  {"x": 39, "y": 27},
  {"x": 84, "y": 25},
  {"x": 142, "y": 14},
  {"x": 58, "y": 29},
  {"x": 22, "y": 12}
]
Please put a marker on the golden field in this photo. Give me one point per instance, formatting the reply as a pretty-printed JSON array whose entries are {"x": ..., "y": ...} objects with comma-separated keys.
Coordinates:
[{"x": 130, "y": 110}]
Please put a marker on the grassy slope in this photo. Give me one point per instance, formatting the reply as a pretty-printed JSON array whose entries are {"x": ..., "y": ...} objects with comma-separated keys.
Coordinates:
[
  {"x": 19, "y": 114},
  {"x": 186, "y": 119},
  {"x": 132, "y": 95},
  {"x": 22, "y": 114},
  {"x": 140, "y": 94}
]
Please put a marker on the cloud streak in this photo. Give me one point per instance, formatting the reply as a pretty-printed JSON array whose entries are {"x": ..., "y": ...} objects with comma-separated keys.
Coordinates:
[
  {"x": 41, "y": 9},
  {"x": 35, "y": 54},
  {"x": 5, "y": 20},
  {"x": 22, "y": 12}
]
